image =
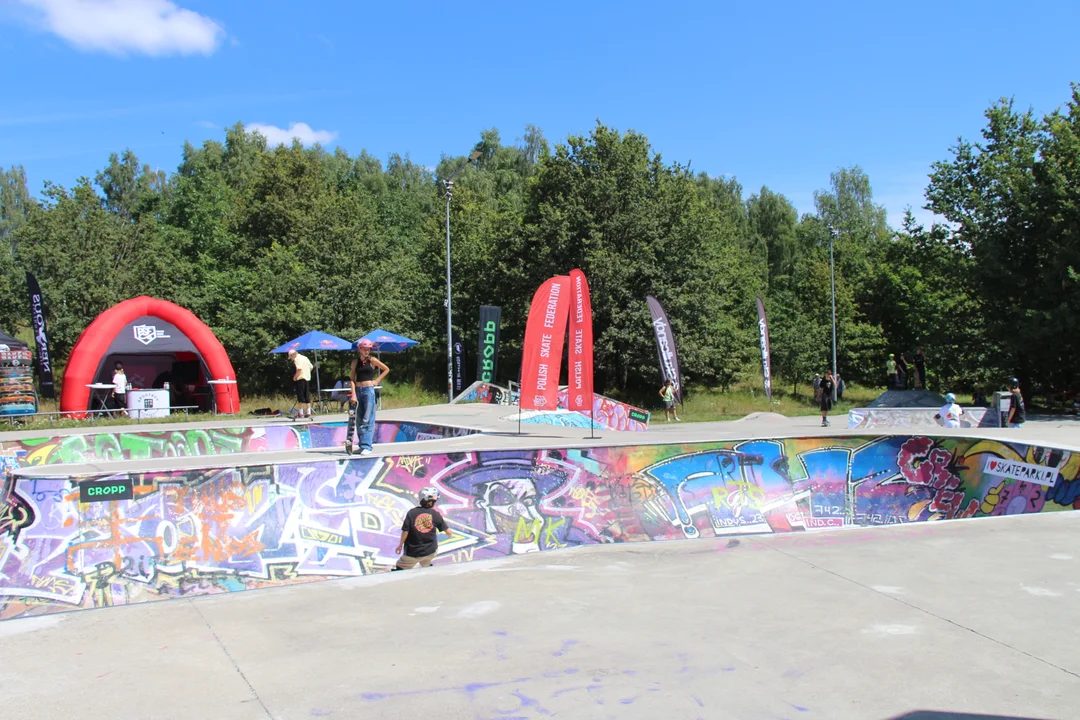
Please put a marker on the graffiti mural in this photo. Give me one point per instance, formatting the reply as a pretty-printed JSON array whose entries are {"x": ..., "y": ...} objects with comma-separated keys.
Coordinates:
[
  {"x": 612, "y": 414},
  {"x": 386, "y": 431},
  {"x": 202, "y": 531},
  {"x": 194, "y": 442},
  {"x": 916, "y": 419},
  {"x": 145, "y": 445}
]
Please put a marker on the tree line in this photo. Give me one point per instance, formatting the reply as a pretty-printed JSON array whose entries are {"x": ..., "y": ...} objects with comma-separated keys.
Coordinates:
[{"x": 264, "y": 243}]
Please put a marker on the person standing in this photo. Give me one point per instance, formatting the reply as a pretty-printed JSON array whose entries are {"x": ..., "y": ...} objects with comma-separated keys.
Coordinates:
[
  {"x": 901, "y": 373},
  {"x": 890, "y": 372},
  {"x": 120, "y": 385},
  {"x": 667, "y": 392},
  {"x": 827, "y": 385},
  {"x": 367, "y": 373},
  {"x": 1017, "y": 412},
  {"x": 817, "y": 387},
  {"x": 920, "y": 369},
  {"x": 841, "y": 386},
  {"x": 302, "y": 382},
  {"x": 419, "y": 543},
  {"x": 950, "y": 412}
]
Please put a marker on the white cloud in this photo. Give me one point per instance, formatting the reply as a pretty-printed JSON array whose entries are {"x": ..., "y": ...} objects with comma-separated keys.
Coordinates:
[
  {"x": 206, "y": 124},
  {"x": 301, "y": 131},
  {"x": 148, "y": 27}
]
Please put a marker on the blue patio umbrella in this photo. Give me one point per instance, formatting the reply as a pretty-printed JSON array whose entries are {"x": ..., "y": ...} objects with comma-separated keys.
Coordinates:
[
  {"x": 315, "y": 341},
  {"x": 383, "y": 341}
]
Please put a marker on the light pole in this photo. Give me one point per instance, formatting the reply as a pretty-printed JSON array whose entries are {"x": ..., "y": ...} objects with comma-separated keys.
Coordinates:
[
  {"x": 448, "y": 183},
  {"x": 832, "y": 280}
]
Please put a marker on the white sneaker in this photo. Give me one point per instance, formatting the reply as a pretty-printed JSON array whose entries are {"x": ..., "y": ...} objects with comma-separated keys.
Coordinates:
[{"x": 366, "y": 451}]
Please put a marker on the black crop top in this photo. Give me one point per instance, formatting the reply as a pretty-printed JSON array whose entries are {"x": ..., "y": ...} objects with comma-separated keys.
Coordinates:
[{"x": 364, "y": 371}]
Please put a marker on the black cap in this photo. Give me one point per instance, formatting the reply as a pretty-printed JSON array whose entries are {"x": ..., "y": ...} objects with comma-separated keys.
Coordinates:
[{"x": 1013, "y": 382}]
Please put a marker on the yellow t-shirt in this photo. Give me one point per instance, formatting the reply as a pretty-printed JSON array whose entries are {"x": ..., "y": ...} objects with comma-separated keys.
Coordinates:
[{"x": 304, "y": 366}]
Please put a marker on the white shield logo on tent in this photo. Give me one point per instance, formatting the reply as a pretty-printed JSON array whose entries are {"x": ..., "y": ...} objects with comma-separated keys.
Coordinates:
[{"x": 147, "y": 334}]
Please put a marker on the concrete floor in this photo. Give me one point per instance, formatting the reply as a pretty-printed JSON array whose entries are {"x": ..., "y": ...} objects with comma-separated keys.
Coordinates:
[{"x": 973, "y": 616}]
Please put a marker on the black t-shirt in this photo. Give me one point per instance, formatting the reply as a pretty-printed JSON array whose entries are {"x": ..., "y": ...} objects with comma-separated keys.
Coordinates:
[
  {"x": 1018, "y": 402},
  {"x": 826, "y": 392},
  {"x": 421, "y": 523}
]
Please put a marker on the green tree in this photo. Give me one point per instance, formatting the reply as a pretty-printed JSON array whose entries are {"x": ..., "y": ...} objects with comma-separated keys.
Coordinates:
[
  {"x": 1011, "y": 200},
  {"x": 636, "y": 225},
  {"x": 88, "y": 258},
  {"x": 772, "y": 222}
]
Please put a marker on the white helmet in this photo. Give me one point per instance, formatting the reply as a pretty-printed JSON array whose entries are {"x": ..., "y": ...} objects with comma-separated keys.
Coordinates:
[{"x": 429, "y": 493}]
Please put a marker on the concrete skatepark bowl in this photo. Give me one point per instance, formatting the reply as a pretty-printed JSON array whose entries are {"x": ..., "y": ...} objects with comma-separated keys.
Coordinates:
[{"x": 803, "y": 574}]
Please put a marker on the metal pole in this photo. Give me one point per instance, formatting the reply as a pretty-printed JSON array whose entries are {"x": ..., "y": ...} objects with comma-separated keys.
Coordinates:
[
  {"x": 449, "y": 183},
  {"x": 832, "y": 280},
  {"x": 318, "y": 386},
  {"x": 449, "y": 315}
]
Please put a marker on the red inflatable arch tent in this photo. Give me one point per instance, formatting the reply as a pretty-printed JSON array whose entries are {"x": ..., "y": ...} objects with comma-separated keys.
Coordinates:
[{"x": 157, "y": 341}]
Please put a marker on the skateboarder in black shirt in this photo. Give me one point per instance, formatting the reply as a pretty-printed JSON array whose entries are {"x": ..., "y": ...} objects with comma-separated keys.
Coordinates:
[
  {"x": 1017, "y": 412},
  {"x": 419, "y": 538}
]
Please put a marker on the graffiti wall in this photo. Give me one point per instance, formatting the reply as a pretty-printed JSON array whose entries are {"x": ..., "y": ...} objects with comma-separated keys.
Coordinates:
[
  {"x": 386, "y": 431},
  {"x": 607, "y": 414},
  {"x": 144, "y": 445},
  {"x": 482, "y": 392},
  {"x": 614, "y": 415},
  {"x": 196, "y": 532},
  {"x": 918, "y": 419}
]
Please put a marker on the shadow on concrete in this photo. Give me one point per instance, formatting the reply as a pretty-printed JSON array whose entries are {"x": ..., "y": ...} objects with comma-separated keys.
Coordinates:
[{"x": 938, "y": 715}]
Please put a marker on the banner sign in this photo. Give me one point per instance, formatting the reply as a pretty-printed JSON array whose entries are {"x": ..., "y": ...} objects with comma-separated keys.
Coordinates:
[
  {"x": 459, "y": 363},
  {"x": 105, "y": 490},
  {"x": 487, "y": 357},
  {"x": 1037, "y": 474},
  {"x": 665, "y": 346},
  {"x": 41, "y": 337},
  {"x": 766, "y": 355},
  {"x": 545, "y": 333},
  {"x": 580, "y": 391}
]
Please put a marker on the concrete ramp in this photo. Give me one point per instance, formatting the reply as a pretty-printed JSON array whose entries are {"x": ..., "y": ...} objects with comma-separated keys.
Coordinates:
[
  {"x": 110, "y": 533},
  {"x": 969, "y": 620}
]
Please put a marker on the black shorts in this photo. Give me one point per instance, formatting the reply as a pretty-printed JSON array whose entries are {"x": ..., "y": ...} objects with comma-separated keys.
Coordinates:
[
  {"x": 303, "y": 393},
  {"x": 826, "y": 403}
]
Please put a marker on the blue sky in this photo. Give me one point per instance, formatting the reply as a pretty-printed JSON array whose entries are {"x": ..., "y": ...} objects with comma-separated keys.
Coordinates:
[{"x": 777, "y": 93}]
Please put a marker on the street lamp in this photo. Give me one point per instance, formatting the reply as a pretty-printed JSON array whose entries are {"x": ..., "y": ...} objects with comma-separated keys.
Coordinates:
[
  {"x": 832, "y": 280},
  {"x": 448, "y": 183}
]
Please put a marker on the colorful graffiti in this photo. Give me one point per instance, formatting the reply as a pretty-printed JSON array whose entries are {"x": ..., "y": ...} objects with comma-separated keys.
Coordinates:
[
  {"x": 145, "y": 445},
  {"x": 386, "y": 431},
  {"x": 196, "y": 532},
  {"x": 192, "y": 442},
  {"x": 917, "y": 419},
  {"x": 612, "y": 414},
  {"x": 608, "y": 414},
  {"x": 482, "y": 392}
]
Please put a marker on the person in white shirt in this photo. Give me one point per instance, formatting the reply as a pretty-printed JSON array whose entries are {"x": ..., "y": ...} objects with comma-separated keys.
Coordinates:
[
  {"x": 301, "y": 379},
  {"x": 120, "y": 383},
  {"x": 950, "y": 412}
]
